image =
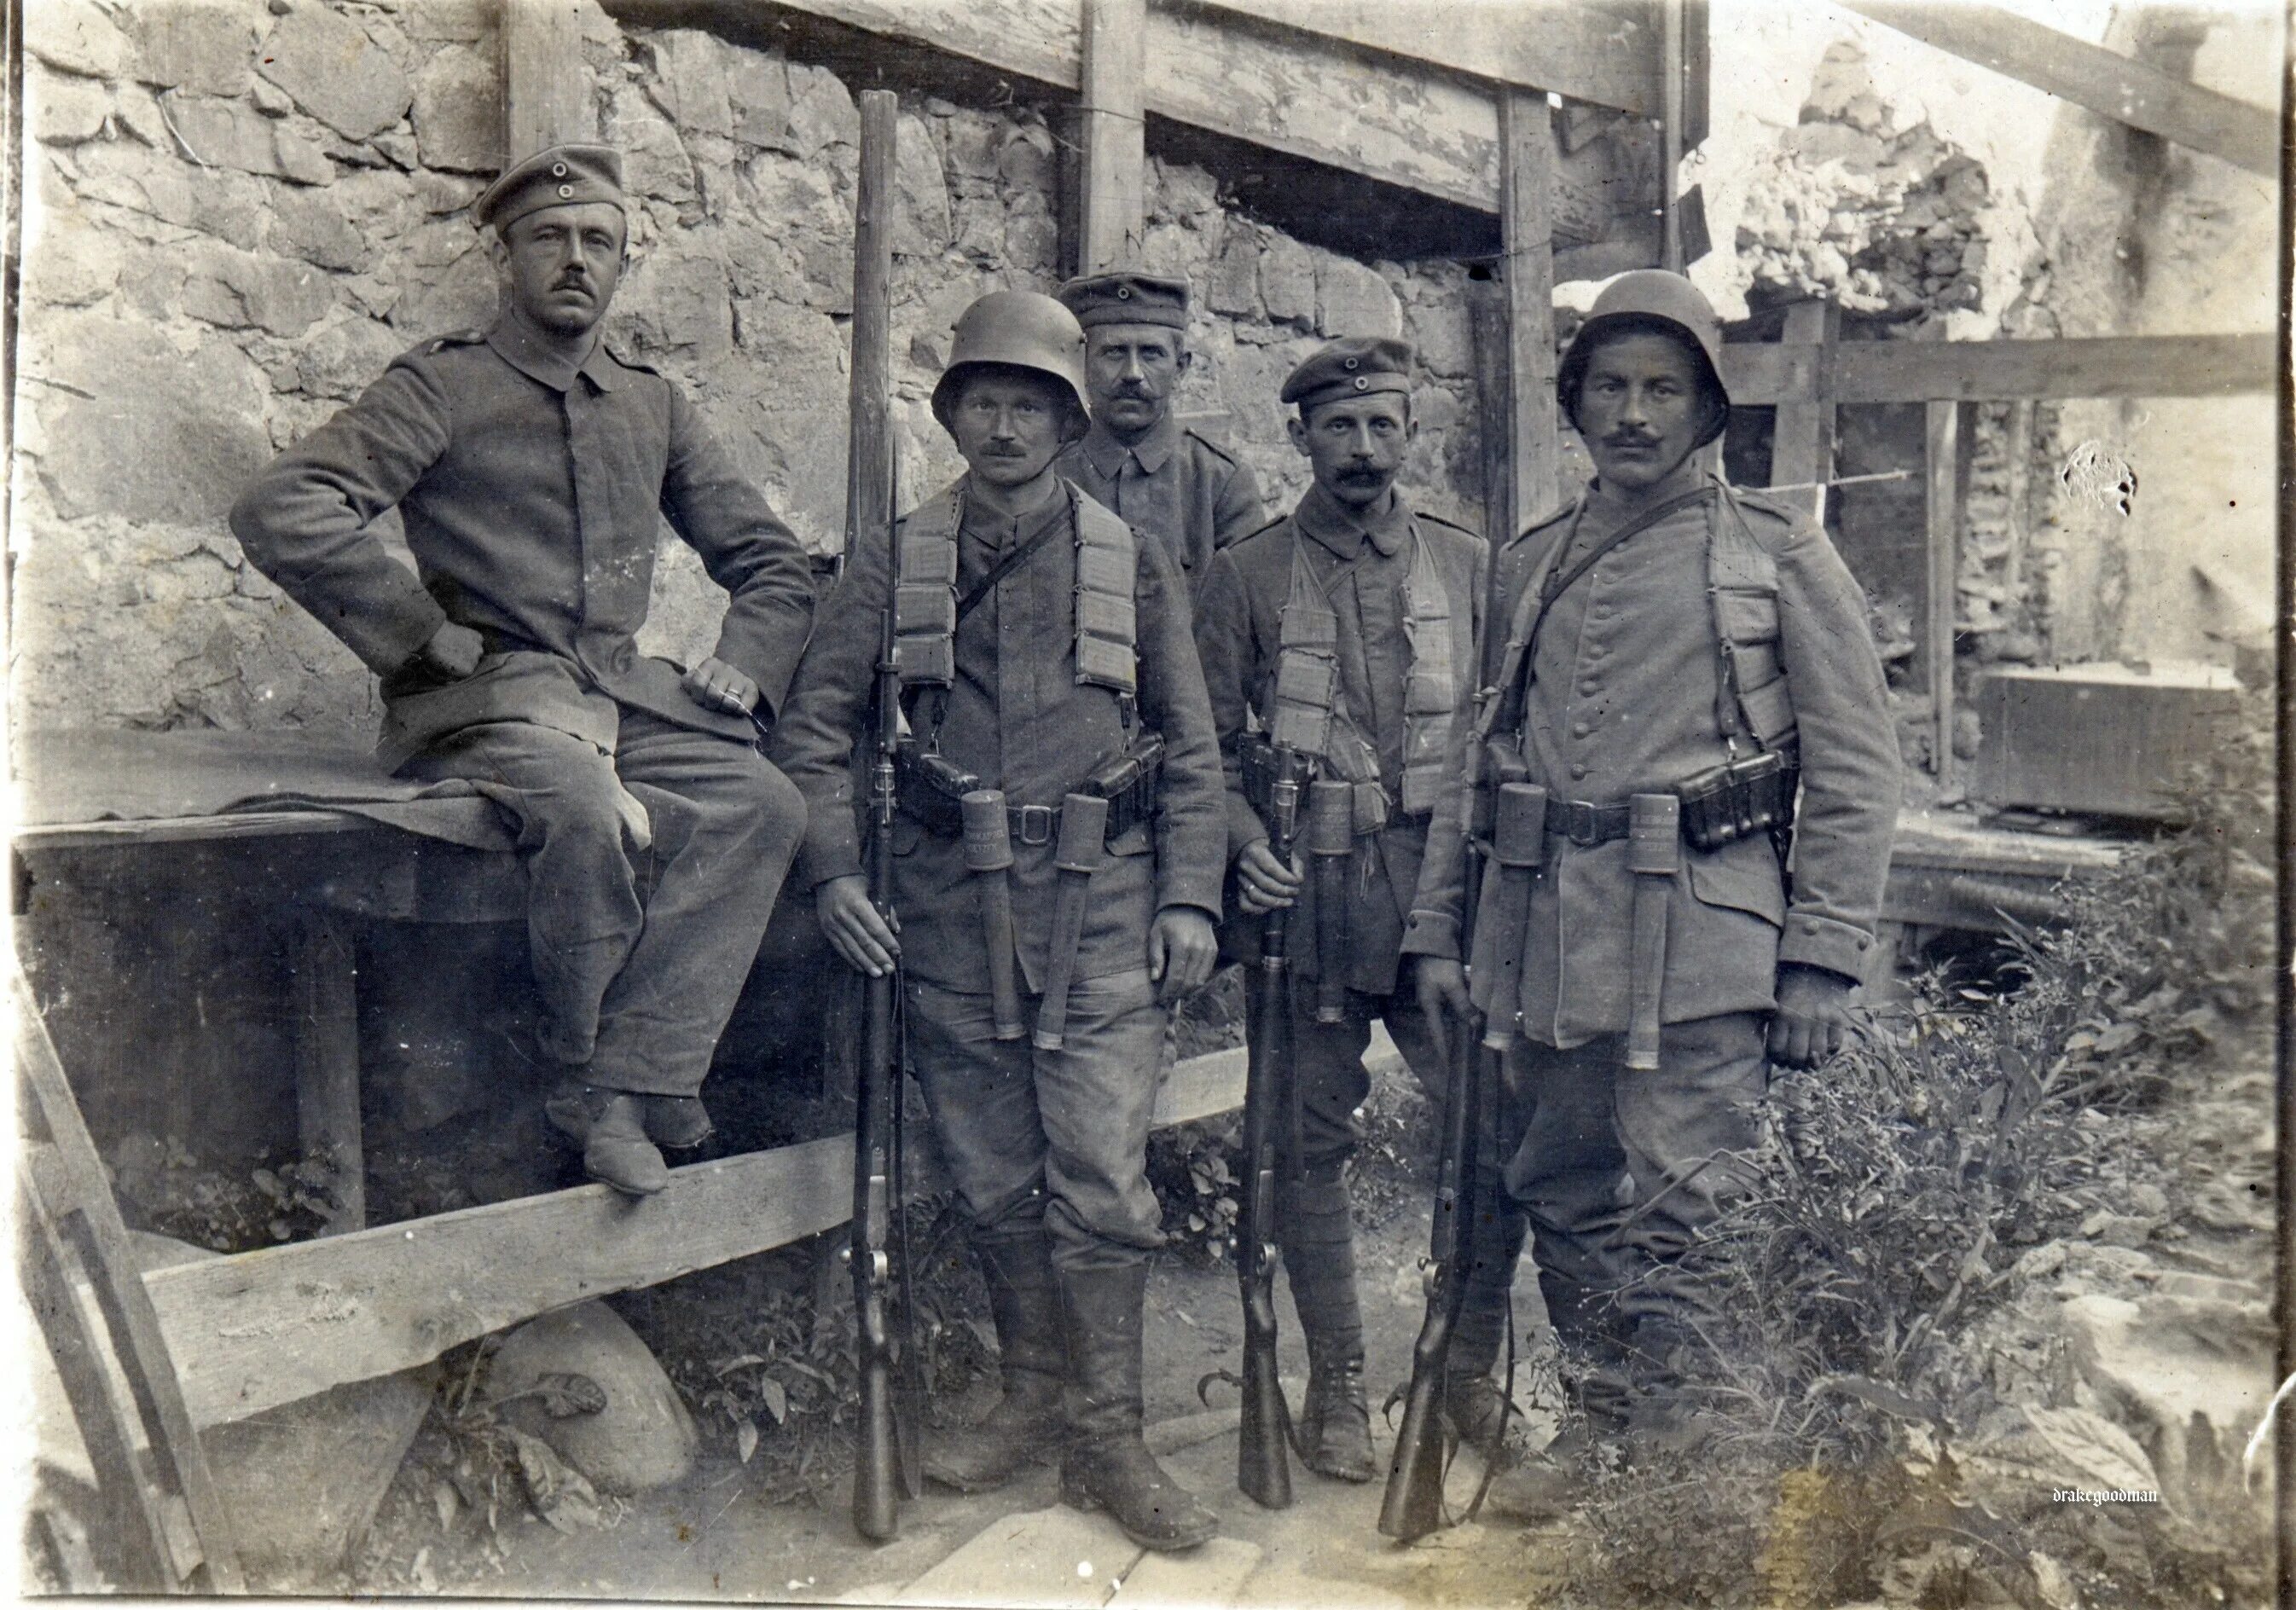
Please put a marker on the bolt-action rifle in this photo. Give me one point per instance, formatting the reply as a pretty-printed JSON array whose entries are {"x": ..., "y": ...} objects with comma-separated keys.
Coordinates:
[{"x": 884, "y": 1466}]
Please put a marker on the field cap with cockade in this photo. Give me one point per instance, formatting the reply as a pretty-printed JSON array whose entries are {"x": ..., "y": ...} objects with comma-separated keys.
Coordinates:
[
  {"x": 1355, "y": 365},
  {"x": 564, "y": 176}
]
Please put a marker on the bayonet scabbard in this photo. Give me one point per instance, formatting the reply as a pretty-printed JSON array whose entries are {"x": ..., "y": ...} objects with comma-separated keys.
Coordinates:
[
  {"x": 989, "y": 857},
  {"x": 1082, "y": 848},
  {"x": 1518, "y": 851},
  {"x": 1653, "y": 852}
]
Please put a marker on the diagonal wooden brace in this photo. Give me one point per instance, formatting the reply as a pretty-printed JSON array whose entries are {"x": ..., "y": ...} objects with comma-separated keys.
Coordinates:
[{"x": 1653, "y": 852}]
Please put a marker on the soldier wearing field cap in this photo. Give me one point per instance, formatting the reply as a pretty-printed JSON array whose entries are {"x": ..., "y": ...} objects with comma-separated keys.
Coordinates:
[
  {"x": 1666, "y": 655},
  {"x": 1345, "y": 630},
  {"x": 532, "y": 468},
  {"x": 1053, "y": 703},
  {"x": 1137, "y": 458}
]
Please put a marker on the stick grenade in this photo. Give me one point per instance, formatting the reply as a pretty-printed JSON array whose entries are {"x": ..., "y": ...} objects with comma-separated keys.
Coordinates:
[
  {"x": 869, "y": 511},
  {"x": 1330, "y": 842},
  {"x": 1653, "y": 851},
  {"x": 1519, "y": 848},
  {"x": 1083, "y": 846},
  {"x": 989, "y": 857}
]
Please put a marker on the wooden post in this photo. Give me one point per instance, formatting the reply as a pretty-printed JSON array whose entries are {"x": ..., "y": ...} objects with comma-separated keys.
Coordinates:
[
  {"x": 1671, "y": 47},
  {"x": 1527, "y": 231},
  {"x": 1801, "y": 446},
  {"x": 545, "y": 86},
  {"x": 1113, "y": 210},
  {"x": 324, "y": 962},
  {"x": 1943, "y": 503}
]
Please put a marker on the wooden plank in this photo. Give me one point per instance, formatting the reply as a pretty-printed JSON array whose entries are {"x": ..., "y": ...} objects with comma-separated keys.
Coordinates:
[
  {"x": 545, "y": 84},
  {"x": 1114, "y": 204},
  {"x": 1487, "y": 329},
  {"x": 2105, "y": 81},
  {"x": 1605, "y": 54},
  {"x": 1758, "y": 373},
  {"x": 1526, "y": 201},
  {"x": 1401, "y": 122},
  {"x": 1942, "y": 505},
  {"x": 323, "y": 962},
  {"x": 1670, "y": 132},
  {"x": 1801, "y": 444},
  {"x": 267, "y": 1328}
]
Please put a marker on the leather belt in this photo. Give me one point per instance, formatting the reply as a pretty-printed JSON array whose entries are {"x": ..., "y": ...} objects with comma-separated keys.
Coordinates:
[{"x": 1586, "y": 824}]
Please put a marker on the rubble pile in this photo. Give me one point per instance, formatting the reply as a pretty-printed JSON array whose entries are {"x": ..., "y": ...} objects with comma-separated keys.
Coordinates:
[{"x": 1882, "y": 220}]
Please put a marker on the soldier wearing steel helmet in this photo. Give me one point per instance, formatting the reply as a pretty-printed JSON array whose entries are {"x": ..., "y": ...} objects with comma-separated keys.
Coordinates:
[
  {"x": 1666, "y": 634},
  {"x": 532, "y": 468},
  {"x": 1042, "y": 641}
]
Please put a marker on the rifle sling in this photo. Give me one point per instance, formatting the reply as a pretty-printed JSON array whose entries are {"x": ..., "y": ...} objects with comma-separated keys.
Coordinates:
[
  {"x": 1556, "y": 586},
  {"x": 979, "y": 591}
]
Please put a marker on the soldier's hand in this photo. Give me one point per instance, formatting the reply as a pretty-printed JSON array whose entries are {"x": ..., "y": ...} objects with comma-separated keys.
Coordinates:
[
  {"x": 1262, "y": 882},
  {"x": 856, "y": 930},
  {"x": 1813, "y": 1016},
  {"x": 715, "y": 685},
  {"x": 1440, "y": 983},
  {"x": 454, "y": 651},
  {"x": 1181, "y": 951}
]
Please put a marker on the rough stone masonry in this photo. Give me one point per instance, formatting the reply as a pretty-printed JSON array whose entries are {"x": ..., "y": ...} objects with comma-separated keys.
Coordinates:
[{"x": 244, "y": 211}]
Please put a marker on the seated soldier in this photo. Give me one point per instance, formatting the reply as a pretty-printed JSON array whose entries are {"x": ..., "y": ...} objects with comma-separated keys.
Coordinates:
[{"x": 532, "y": 467}]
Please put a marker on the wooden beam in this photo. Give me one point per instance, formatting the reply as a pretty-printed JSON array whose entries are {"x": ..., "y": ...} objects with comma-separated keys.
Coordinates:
[
  {"x": 1801, "y": 443},
  {"x": 1604, "y": 54},
  {"x": 1404, "y": 123},
  {"x": 252, "y": 1332},
  {"x": 2105, "y": 81},
  {"x": 1670, "y": 132},
  {"x": 1113, "y": 209},
  {"x": 324, "y": 962},
  {"x": 1942, "y": 472},
  {"x": 547, "y": 87},
  {"x": 1526, "y": 201},
  {"x": 1760, "y": 373}
]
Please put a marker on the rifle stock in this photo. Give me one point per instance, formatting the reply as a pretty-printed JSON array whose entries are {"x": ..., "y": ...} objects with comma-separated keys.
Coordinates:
[
  {"x": 1412, "y": 1504},
  {"x": 877, "y": 1474}
]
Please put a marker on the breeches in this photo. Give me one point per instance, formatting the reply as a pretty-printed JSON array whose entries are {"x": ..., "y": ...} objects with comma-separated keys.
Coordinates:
[
  {"x": 636, "y": 986},
  {"x": 1328, "y": 1062},
  {"x": 1057, "y": 1136}
]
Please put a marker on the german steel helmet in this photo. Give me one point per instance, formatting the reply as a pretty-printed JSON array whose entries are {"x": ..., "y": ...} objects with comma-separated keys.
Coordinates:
[
  {"x": 1646, "y": 294},
  {"x": 1025, "y": 329}
]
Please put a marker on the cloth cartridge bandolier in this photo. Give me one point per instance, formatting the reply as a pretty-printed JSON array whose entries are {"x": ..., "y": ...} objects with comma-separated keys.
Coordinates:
[{"x": 934, "y": 789}]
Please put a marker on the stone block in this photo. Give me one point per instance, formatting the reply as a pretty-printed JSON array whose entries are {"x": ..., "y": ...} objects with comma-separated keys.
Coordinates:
[
  {"x": 654, "y": 163},
  {"x": 232, "y": 133},
  {"x": 335, "y": 71},
  {"x": 757, "y": 98},
  {"x": 143, "y": 431},
  {"x": 75, "y": 36},
  {"x": 1032, "y": 234},
  {"x": 71, "y": 263},
  {"x": 690, "y": 80},
  {"x": 821, "y": 113},
  {"x": 458, "y": 111},
  {"x": 677, "y": 301},
  {"x": 240, "y": 291},
  {"x": 1441, "y": 332},
  {"x": 922, "y": 227},
  {"x": 1027, "y": 159},
  {"x": 307, "y": 225},
  {"x": 67, "y": 111},
  {"x": 447, "y": 21},
  {"x": 642, "y": 1439},
  {"x": 1182, "y": 192},
  {"x": 345, "y": 358},
  {"x": 463, "y": 297},
  {"x": 1287, "y": 281},
  {"x": 1232, "y": 287},
  {"x": 1352, "y": 298},
  {"x": 207, "y": 47}
]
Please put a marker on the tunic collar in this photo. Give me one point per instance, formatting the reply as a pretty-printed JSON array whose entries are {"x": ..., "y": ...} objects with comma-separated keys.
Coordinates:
[
  {"x": 1154, "y": 450},
  {"x": 518, "y": 348},
  {"x": 1344, "y": 531},
  {"x": 1001, "y": 531}
]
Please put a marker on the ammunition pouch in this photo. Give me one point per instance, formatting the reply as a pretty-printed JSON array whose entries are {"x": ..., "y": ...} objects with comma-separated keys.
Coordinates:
[
  {"x": 931, "y": 790},
  {"x": 1265, "y": 765},
  {"x": 1735, "y": 801}
]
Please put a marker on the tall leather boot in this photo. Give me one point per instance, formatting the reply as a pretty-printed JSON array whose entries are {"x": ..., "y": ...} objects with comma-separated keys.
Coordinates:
[
  {"x": 1475, "y": 1402},
  {"x": 1334, "y": 1430},
  {"x": 1025, "y": 1425},
  {"x": 1108, "y": 1465}
]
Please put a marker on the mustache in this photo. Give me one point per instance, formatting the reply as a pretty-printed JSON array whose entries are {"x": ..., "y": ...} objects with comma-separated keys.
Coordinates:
[{"x": 1629, "y": 438}]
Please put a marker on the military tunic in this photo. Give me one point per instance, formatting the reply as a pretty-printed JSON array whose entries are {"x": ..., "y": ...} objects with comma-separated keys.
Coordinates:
[
  {"x": 1173, "y": 484},
  {"x": 1026, "y": 1133},
  {"x": 1361, "y": 562},
  {"x": 532, "y": 490}
]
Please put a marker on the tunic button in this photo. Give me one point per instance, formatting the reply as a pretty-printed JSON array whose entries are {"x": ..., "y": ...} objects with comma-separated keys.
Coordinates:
[
  {"x": 1590, "y": 686},
  {"x": 565, "y": 193},
  {"x": 1579, "y": 769},
  {"x": 558, "y": 170},
  {"x": 1579, "y": 729}
]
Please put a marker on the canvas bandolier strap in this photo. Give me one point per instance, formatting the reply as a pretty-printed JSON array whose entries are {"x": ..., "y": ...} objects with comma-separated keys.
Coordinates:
[{"x": 1431, "y": 692}]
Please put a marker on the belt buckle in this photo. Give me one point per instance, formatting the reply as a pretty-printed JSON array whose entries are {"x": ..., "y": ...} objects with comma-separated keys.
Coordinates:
[
  {"x": 1036, "y": 825},
  {"x": 1584, "y": 827}
]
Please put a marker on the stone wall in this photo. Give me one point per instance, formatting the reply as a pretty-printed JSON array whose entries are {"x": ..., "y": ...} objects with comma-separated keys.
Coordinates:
[{"x": 242, "y": 211}]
